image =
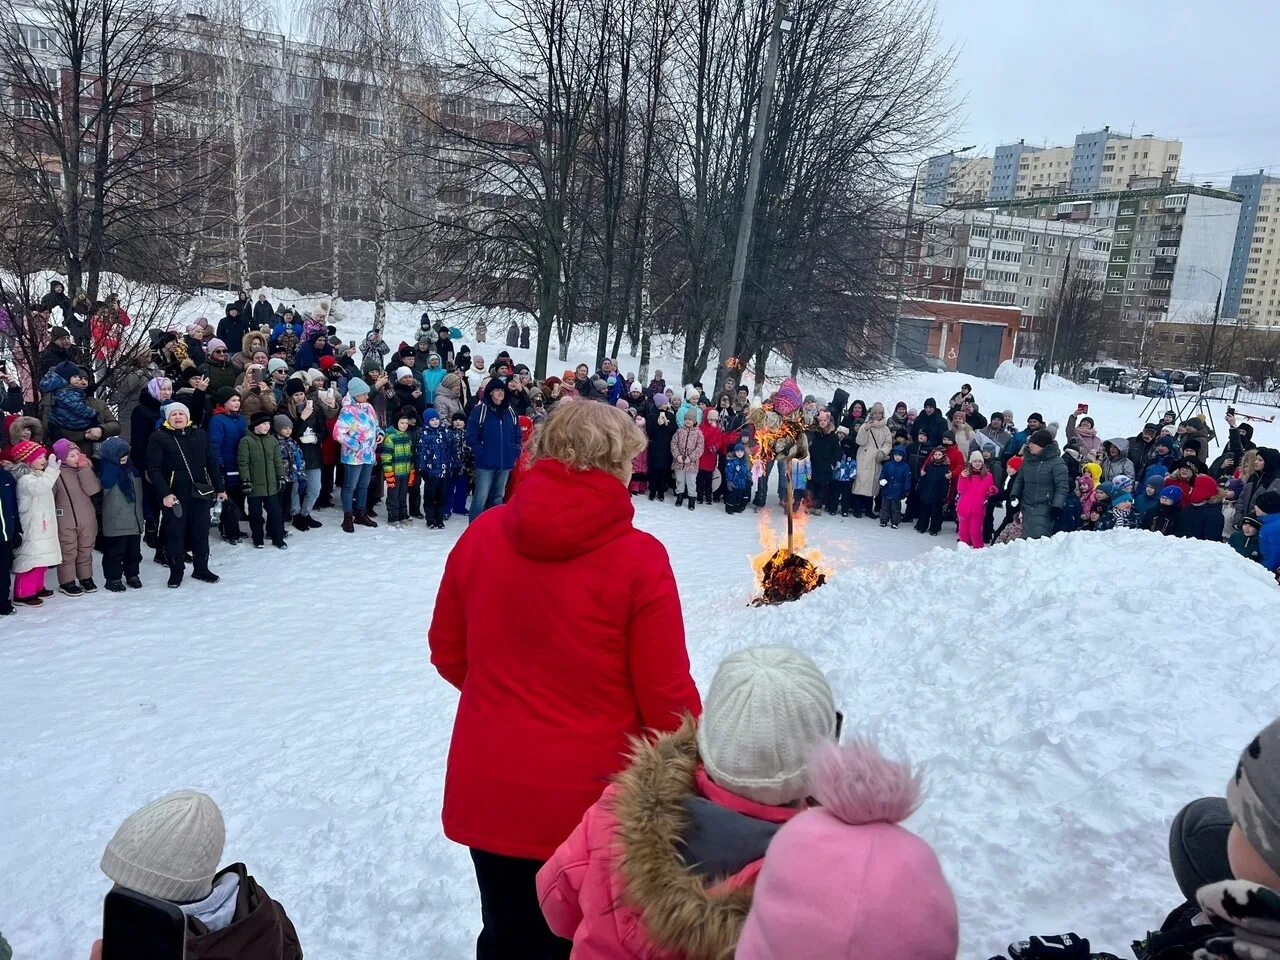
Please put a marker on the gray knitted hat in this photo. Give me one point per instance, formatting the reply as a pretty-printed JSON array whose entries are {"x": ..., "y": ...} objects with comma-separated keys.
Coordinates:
[
  {"x": 169, "y": 849},
  {"x": 1253, "y": 795}
]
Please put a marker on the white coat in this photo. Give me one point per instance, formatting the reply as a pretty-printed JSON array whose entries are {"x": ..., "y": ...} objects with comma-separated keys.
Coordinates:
[
  {"x": 39, "y": 515},
  {"x": 875, "y": 440}
]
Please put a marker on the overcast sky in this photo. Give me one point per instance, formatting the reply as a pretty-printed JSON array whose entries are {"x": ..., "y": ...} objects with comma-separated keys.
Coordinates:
[{"x": 1202, "y": 72}]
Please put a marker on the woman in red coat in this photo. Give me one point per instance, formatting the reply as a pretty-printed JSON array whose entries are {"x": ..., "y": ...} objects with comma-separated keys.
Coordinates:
[{"x": 548, "y": 706}]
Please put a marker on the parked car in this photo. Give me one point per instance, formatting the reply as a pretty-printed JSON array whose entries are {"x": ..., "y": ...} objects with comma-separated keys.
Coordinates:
[
  {"x": 1157, "y": 387},
  {"x": 1191, "y": 382}
]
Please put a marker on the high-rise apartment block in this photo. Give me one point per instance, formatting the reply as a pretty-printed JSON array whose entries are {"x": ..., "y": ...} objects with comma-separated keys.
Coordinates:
[
  {"x": 1099, "y": 161},
  {"x": 1254, "y": 286}
]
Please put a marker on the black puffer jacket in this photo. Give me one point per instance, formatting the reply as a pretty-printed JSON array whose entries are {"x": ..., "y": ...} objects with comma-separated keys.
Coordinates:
[{"x": 169, "y": 454}]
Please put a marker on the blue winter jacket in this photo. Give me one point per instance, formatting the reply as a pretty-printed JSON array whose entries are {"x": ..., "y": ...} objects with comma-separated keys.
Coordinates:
[
  {"x": 70, "y": 408},
  {"x": 1269, "y": 541},
  {"x": 899, "y": 476},
  {"x": 437, "y": 452},
  {"x": 225, "y": 433},
  {"x": 493, "y": 436},
  {"x": 10, "y": 526},
  {"x": 737, "y": 473},
  {"x": 846, "y": 468}
]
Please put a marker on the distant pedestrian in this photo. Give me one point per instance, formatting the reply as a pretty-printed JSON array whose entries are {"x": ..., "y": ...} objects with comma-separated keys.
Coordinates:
[{"x": 1039, "y": 368}]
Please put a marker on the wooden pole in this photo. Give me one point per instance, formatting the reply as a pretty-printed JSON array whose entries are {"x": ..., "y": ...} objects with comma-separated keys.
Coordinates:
[{"x": 791, "y": 527}]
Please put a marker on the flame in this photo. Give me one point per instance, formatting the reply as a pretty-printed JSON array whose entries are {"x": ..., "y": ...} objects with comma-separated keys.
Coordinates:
[{"x": 774, "y": 576}]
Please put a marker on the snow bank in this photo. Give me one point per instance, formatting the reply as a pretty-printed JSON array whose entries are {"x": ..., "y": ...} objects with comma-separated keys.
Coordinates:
[
  {"x": 1066, "y": 697},
  {"x": 1011, "y": 374}
]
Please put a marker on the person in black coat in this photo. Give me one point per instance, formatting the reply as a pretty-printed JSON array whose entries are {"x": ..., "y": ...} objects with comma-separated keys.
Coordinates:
[
  {"x": 179, "y": 461},
  {"x": 824, "y": 451},
  {"x": 263, "y": 313},
  {"x": 934, "y": 484},
  {"x": 233, "y": 326},
  {"x": 931, "y": 422},
  {"x": 444, "y": 345},
  {"x": 917, "y": 456},
  {"x": 1239, "y": 439},
  {"x": 10, "y": 393},
  {"x": 661, "y": 426}
]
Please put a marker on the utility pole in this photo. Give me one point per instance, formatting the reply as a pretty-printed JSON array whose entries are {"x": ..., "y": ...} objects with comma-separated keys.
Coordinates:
[
  {"x": 1062, "y": 303},
  {"x": 729, "y": 335},
  {"x": 1213, "y": 332}
]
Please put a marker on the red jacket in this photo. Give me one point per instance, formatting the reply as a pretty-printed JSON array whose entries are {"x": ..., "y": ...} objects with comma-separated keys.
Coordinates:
[
  {"x": 957, "y": 460},
  {"x": 550, "y": 697},
  {"x": 715, "y": 441}
]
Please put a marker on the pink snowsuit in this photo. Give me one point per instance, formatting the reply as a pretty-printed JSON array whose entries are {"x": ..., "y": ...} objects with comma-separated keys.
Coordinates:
[{"x": 973, "y": 491}]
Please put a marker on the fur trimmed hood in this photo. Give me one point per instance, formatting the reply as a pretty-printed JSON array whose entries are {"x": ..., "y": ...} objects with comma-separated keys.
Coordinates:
[
  {"x": 681, "y": 911},
  {"x": 22, "y": 423}
]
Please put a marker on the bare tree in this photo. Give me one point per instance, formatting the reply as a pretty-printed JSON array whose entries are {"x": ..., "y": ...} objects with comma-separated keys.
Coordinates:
[
  {"x": 1081, "y": 325},
  {"x": 97, "y": 154}
]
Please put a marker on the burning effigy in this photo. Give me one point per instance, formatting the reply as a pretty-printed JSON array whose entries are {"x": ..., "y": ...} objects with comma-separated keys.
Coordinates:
[{"x": 785, "y": 574}]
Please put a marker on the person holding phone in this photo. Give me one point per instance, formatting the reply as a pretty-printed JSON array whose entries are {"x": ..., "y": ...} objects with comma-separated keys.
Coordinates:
[{"x": 170, "y": 893}]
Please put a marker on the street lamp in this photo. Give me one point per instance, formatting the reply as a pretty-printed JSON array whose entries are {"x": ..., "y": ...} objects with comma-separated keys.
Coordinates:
[
  {"x": 1213, "y": 331},
  {"x": 906, "y": 239}
]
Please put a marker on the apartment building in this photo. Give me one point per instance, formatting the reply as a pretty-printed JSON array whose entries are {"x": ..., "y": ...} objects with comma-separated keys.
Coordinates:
[
  {"x": 1260, "y": 274},
  {"x": 1251, "y": 188},
  {"x": 950, "y": 179},
  {"x": 982, "y": 256},
  {"x": 1098, "y": 161},
  {"x": 1169, "y": 258}
]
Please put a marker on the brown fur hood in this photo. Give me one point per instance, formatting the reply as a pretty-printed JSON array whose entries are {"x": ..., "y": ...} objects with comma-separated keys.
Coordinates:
[
  {"x": 22, "y": 423},
  {"x": 679, "y": 909}
]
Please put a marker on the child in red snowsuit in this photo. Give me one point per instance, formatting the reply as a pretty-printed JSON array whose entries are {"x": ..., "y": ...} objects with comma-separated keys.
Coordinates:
[{"x": 974, "y": 488}]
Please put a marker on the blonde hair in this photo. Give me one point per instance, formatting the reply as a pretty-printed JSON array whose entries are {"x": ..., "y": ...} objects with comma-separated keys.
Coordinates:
[{"x": 588, "y": 436}]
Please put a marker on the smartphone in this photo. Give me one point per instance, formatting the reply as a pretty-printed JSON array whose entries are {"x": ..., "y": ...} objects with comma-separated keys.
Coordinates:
[
  {"x": 136, "y": 927},
  {"x": 1231, "y": 411},
  {"x": 1082, "y": 408}
]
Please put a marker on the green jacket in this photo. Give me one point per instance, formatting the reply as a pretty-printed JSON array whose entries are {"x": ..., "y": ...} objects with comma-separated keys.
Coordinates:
[
  {"x": 1247, "y": 547},
  {"x": 396, "y": 454},
  {"x": 261, "y": 469}
]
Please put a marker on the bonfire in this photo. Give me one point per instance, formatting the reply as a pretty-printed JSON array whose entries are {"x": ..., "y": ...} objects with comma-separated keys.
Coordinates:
[{"x": 784, "y": 573}]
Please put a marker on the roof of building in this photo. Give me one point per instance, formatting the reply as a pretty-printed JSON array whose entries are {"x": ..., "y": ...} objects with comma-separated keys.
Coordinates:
[{"x": 1162, "y": 190}]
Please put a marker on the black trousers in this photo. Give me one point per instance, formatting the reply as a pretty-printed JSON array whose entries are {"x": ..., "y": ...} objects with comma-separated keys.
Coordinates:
[
  {"x": 735, "y": 501},
  {"x": 274, "y": 521},
  {"x": 326, "y": 484},
  {"x": 415, "y": 495},
  {"x": 930, "y": 517},
  {"x": 398, "y": 501},
  {"x": 120, "y": 557},
  {"x": 232, "y": 513},
  {"x": 433, "y": 495},
  {"x": 187, "y": 532},
  {"x": 514, "y": 927},
  {"x": 6, "y": 562},
  {"x": 703, "y": 485}
]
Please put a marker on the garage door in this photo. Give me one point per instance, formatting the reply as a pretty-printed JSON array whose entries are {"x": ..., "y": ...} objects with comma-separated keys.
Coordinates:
[
  {"x": 913, "y": 337},
  {"x": 979, "y": 349}
]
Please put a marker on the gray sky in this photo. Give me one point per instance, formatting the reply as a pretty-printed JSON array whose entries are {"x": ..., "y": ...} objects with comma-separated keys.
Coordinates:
[{"x": 1201, "y": 72}]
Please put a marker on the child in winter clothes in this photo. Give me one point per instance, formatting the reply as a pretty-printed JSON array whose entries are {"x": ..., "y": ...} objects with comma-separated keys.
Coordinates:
[
  {"x": 36, "y": 475},
  {"x": 1145, "y": 503},
  {"x": 262, "y": 474},
  {"x": 122, "y": 517},
  {"x": 737, "y": 480},
  {"x": 1245, "y": 540},
  {"x": 1267, "y": 507},
  {"x": 895, "y": 483},
  {"x": 974, "y": 488},
  {"x": 917, "y": 455},
  {"x": 686, "y": 451},
  {"x": 66, "y": 383},
  {"x": 435, "y": 465},
  {"x": 293, "y": 470},
  {"x": 935, "y": 485},
  {"x": 398, "y": 469},
  {"x": 10, "y": 536},
  {"x": 841, "y": 491},
  {"x": 639, "y": 465},
  {"x": 169, "y": 850},
  {"x": 801, "y": 474},
  {"x": 77, "y": 520},
  {"x": 714, "y": 440},
  {"x": 851, "y": 848},
  {"x": 1164, "y": 518},
  {"x": 1121, "y": 516},
  {"x": 664, "y": 863},
  {"x": 459, "y": 482},
  {"x": 1245, "y": 911}
]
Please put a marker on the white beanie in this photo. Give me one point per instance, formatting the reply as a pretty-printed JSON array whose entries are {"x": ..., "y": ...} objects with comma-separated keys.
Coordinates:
[
  {"x": 175, "y": 407},
  {"x": 168, "y": 850},
  {"x": 765, "y": 711},
  {"x": 403, "y": 372}
]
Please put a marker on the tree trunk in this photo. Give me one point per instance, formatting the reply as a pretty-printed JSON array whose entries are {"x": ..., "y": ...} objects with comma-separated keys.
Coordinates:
[{"x": 646, "y": 325}]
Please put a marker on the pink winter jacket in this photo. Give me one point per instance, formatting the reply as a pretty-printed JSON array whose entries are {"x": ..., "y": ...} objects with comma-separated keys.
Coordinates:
[
  {"x": 973, "y": 490},
  {"x": 620, "y": 889}
]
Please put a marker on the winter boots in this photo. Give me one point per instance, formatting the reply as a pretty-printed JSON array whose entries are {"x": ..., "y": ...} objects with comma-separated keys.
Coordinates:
[
  {"x": 691, "y": 503},
  {"x": 363, "y": 518},
  {"x": 348, "y": 523},
  {"x": 680, "y": 499}
]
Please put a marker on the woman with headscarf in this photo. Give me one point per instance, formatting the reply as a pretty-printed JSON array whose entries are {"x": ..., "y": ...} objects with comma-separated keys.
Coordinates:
[{"x": 875, "y": 440}]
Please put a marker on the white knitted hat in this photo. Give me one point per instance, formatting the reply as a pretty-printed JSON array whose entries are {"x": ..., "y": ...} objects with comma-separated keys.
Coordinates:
[
  {"x": 169, "y": 849},
  {"x": 765, "y": 711}
]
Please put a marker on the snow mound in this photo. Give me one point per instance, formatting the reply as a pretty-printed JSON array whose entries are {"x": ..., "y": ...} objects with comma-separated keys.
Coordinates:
[
  {"x": 1067, "y": 697},
  {"x": 1011, "y": 374}
]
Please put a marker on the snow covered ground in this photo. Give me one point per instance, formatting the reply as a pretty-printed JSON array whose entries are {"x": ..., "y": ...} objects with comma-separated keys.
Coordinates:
[{"x": 1067, "y": 697}]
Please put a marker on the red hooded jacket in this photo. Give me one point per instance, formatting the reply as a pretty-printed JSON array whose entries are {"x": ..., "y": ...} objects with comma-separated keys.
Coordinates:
[{"x": 550, "y": 698}]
